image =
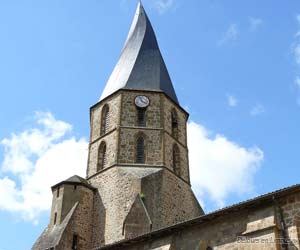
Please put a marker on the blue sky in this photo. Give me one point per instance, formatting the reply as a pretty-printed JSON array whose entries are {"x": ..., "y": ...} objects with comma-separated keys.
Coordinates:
[{"x": 235, "y": 66}]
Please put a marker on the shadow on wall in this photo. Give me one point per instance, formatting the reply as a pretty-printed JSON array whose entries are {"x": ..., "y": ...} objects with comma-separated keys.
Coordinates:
[{"x": 99, "y": 221}]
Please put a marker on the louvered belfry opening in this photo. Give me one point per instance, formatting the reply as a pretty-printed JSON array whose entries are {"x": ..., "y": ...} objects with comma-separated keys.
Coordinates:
[
  {"x": 104, "y": 120},
  {"x": 141, "y": 117},
  {"x": 102, "y": 158},
  {"x": 174, "y": 119},
  {"x": 140, "y": 150},
  {"x": 176, "y": 159}
]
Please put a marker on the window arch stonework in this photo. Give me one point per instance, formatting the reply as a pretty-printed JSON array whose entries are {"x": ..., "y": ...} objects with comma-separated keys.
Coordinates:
[
  {"x": 174, "y": 123},
  {"x": 176, "y": 160},
  {"x": 102, "y": 157},
  {"x": 140, "y": 149},
  {"x": 141, "y": 117},
  {"x": 105, "y": 115}
]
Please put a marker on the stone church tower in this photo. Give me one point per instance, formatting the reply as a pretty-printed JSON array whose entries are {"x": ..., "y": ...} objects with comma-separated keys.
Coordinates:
[{"x": 138, "y": 171}]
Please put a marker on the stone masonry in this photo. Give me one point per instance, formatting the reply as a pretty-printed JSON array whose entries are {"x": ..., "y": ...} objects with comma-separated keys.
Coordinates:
[
  {"x": 270, "y": 222},
  {"x": 123, "y": 132},
  {"x": 119, "y": 183},
  {"x": 137, "y": 193}
]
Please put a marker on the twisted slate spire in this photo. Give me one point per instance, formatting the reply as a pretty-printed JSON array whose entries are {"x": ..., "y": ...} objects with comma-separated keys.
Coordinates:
[{"x": 141, "y": 66}]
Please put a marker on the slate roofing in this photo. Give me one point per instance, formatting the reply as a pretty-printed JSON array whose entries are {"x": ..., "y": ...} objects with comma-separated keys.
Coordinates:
[
  {"x": 141, "y": 65},
  {"x": 255, "y": 202},
  {"x": 52, "y": 235},
  {"x": 75, "y": 180}
]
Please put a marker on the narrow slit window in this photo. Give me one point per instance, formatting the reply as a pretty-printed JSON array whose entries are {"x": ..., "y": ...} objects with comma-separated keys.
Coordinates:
[
  {"x": 57, "y": 192},
  {"x": 141, "y": 117},
  {"x": 75, "y": 242},
  {"x": 55, "y": 218},
  {"x": 176, "y": 160},
  {"x": 140, "y": 150},
  {"x": 102, "y": 157},
  {"x": 105, "y": 120},
  {"x": 174, "y": 124}
]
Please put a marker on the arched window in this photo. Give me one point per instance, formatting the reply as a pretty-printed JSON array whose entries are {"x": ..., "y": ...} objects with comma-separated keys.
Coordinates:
[
  {"x": 174, "y": 121},
  {"x": 140, "y": 150},
  {"x": 176, "y": 160},
  {"x": 102, "y": 159},
  {"x": 104, "y": 120},
  {"x": 141, "y": 117}
]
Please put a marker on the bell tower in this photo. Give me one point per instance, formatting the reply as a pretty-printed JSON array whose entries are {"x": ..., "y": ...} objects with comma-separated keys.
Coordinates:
[
  {"x": 137, "y": 178},
  {"x": 138, "y": 155}
]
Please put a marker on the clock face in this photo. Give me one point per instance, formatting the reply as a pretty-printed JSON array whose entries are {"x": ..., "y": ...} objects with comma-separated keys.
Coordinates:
[{"x": 142, "y": 101}]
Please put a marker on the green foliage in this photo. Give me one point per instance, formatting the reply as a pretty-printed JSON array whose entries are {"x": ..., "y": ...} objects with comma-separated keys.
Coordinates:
[{"x": 143, "y": 196}]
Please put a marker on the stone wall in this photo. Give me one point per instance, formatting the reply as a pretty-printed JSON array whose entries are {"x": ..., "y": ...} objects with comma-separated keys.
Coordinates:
[
  {"x": 129, "y": 110},
  {"x": 117, "y": 190},
  {"x": 168, "y": 106},
  {"x": 122, "y": 135},
  {"x": 153, "y": 146},
  {"x": 110, "y": 138},
  {"x": 168, "y": 200},
  {"x": 184, "y": 164},
  {"x": 111, "y": 141},
  {"x": 137, "y": 221},
  {"x": 173, "y": 200},
  {"x": 258, "y": 227},
  {"x": 114, "y": 103},
  {"x": 291, "y": 218},
  {"x": 63, "y": 203},
  {"x": 57, "y": 202},
  {"x": 81, "y": 223}
]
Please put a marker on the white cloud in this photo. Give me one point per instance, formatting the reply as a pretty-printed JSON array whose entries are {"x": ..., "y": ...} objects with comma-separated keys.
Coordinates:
[
  {"x": 258, "y": 109},
  {"x": 162, "y": 6},
  {"x": 21, "y": 148},
  {"x": 255, "y": 23},
  {"x": 36, "y": 159},
  {"x": 232, "y": 101},
  {"x": 220, "y": 167},
  {"x": 25, "y": 190},
  {"x": 230, "y": 35}
]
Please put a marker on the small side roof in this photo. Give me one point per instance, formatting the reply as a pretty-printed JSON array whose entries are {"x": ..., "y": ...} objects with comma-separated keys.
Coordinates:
[
  {"x": 51, "y": 236},
  {"x": 75, "y": 179}
]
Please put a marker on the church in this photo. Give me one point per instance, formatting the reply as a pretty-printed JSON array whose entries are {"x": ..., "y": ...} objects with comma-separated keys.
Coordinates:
[{"x": 137, "y": 192}]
